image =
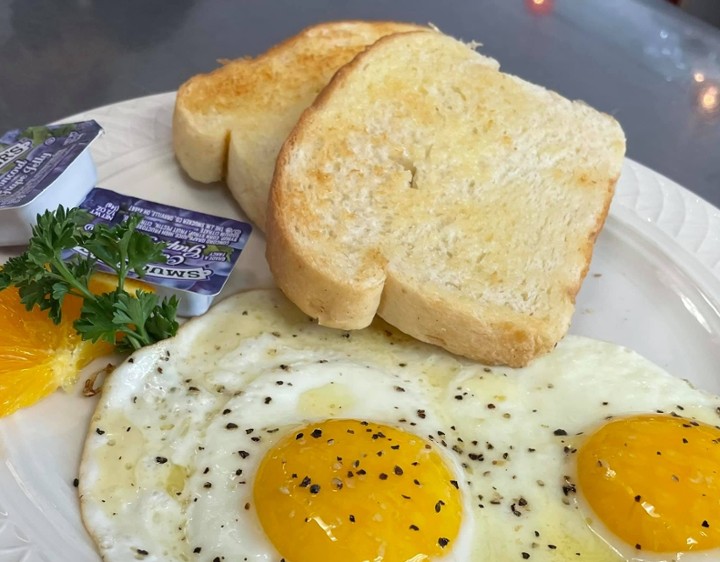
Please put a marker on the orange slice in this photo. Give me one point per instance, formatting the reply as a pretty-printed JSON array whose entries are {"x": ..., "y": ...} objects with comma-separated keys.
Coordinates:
[{"x": 36, "y": 356}]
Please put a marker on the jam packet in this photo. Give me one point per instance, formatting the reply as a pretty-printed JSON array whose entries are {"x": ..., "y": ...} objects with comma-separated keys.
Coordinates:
[
  {"x": 41, "y": 168},
  {"x": 201, "y": 249}
]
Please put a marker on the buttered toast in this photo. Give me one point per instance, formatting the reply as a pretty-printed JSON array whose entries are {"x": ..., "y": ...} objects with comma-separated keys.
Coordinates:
[
  {"x": 229, "y": 124},
  {"x": 459, "y": 203}
]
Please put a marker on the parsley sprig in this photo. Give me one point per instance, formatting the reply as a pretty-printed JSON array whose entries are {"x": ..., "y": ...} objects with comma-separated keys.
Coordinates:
[{"x": 43, "y": 278}]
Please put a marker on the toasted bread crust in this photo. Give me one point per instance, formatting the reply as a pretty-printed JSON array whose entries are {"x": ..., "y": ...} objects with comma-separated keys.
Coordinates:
[
  {"x": 249, "y": 105},
  {"x": 311, "y": 268}
]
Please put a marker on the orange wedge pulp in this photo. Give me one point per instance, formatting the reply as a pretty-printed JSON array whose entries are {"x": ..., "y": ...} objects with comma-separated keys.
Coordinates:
[{"x": 36, "y": 355}]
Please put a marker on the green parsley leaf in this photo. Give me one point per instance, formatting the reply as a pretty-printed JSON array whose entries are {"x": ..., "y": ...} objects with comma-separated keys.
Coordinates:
[{"x": 43, "y": 278}]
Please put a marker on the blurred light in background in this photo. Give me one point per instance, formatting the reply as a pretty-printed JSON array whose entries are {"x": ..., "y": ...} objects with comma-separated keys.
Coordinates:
[
  {"x": 540, "y": 7},
  {"x": 709, "y": 98}
]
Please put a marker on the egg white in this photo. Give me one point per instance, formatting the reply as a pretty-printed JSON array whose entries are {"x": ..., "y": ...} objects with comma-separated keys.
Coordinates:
[
  {"x": 160, "y": 436},
  {"x": 300, "y": 392},
  {"x": 229, "y": 364}
]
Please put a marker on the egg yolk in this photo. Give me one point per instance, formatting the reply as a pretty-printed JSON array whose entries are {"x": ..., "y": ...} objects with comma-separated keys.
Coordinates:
[
  {"x": 357, "y": 491},
  {"x": 654, "y": 481}
]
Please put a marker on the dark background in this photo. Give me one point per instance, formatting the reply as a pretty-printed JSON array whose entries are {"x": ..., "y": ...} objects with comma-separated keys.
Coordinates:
[
  {"x": 708, "y": 10},
  {"x": 653, "y": 65}
]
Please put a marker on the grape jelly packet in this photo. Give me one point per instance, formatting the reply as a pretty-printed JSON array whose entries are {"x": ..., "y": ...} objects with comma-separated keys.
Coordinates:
[
  {"x": 41, "y": 168},
  {"x": 200, "y": 249}
]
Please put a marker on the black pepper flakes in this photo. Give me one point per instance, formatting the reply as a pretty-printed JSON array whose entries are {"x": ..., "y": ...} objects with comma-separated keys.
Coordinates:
[
  {"x": 315, "y": 489},
  {"x": 443, "y": 542},
  {"x": 559, "y": 432},
  {"x": 305, "y": 482},
  {"x": 231, "y": 426},
  {"x": 317, "y": 433},
  {"x": 398, "y": 471},
  {"x": 161, "y": 460}
]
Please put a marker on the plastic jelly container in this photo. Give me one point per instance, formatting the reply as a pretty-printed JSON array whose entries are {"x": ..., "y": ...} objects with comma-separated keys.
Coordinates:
[
  {"x": 41, "y": 168},
  {"x": 201, "y": 250}
]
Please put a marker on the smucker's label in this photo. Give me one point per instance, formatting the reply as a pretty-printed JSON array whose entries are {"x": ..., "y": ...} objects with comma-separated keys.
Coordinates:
[
  {"x": 32, "y": 159},
  {"x": 201, "y": 249}
]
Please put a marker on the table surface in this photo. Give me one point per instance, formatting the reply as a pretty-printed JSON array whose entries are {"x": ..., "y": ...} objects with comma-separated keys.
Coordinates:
[{"x": 653, "y": 67}]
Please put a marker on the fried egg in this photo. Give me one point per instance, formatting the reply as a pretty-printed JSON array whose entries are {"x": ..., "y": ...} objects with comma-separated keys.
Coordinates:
[{"x": 257, "y": 435}]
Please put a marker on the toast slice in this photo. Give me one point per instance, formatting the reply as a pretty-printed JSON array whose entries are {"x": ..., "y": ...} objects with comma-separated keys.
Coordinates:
[
  {"x": 249, "y": 105},
  {"x": 459, "y": 203}
]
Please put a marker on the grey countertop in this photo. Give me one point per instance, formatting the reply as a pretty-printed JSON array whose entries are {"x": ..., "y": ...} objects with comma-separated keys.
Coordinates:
[{"x": 656, "y": 69}]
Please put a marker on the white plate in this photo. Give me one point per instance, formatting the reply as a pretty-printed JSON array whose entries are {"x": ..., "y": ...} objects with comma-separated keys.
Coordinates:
[{"x": 654, "y": 285}]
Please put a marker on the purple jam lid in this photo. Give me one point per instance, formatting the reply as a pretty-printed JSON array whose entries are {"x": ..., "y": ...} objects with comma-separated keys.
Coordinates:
[
  {"x": 41, "y": 168},
  {"x": 32, "y": 159},
  {"x": 201, "y": 249}
]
